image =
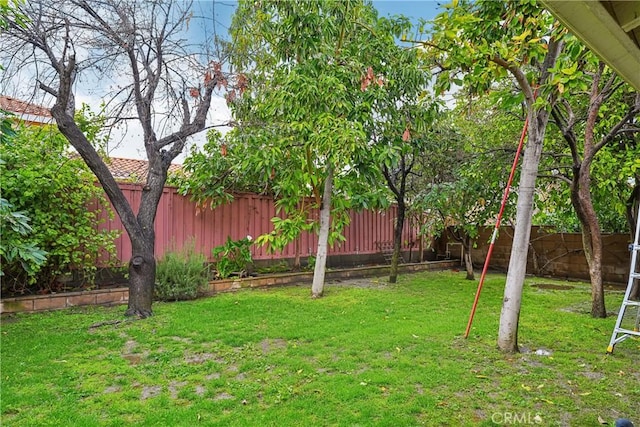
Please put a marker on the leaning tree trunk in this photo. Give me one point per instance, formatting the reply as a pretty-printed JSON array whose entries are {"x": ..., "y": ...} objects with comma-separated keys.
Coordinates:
[
  {"x": 538, "y": 119},
  {"x": 397, "y": 242},
  {"x": 317, "y": 288}
]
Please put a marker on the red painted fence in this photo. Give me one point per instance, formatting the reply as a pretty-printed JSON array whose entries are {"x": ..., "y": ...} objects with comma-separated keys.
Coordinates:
[{"x": 179, "y": 220}]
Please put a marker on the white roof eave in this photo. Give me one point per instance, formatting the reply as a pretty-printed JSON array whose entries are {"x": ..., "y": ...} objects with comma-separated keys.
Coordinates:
[{"x": 591, "y": 23}]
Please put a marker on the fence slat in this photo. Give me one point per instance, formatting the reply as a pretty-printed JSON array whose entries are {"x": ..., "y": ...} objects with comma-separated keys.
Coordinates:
[{"x": 179, "y": 219}]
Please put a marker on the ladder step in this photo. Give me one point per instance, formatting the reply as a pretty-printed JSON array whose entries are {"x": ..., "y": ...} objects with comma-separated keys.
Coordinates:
[
  {"x": 627, "y": 332},
  {"x": 620, "y": 334}
]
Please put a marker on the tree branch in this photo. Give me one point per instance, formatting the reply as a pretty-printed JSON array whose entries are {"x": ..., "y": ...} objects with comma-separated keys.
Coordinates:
[
  {"x": 634, "y": 110},
  {"x": 565, "y": 126},
  {"x": 520, "y": 77}
]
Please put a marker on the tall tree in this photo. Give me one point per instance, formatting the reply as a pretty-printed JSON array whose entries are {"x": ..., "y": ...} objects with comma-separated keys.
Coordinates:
[
  {"x": 476, "y": 43},
  {"x": 399, "y": 127},
  {"x": 158, "y": 81},
  {"x": 468, "y": 197},
  {"x": 587, "y": 131},
  {"x": 302, "y": 116}
]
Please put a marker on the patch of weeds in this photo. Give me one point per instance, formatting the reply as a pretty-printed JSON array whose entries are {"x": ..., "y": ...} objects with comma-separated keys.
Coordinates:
[{"x": 276, "y": 267}]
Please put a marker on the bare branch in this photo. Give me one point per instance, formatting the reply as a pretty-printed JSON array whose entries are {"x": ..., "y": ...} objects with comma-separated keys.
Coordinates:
[
  {"x": 48, "y": 89},
  {"x": 566, "y": 123}
]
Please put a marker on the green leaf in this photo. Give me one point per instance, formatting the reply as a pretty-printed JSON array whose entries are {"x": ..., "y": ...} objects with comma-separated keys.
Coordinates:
[{"x": 570, "y": 70}]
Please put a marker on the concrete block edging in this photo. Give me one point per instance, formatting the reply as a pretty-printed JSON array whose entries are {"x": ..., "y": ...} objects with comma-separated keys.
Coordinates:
[{"x": 117, "y": 296}]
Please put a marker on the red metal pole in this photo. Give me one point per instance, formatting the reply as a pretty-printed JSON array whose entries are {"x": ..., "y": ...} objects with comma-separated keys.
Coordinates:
[{"x": 497, "y": 227}]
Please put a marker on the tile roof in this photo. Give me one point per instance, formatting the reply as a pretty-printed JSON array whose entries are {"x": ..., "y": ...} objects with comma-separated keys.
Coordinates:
[
  {"x": 130, "y": 170},
  {"x": 26, "y": 111},
  {"x": 133, "y": 170}
]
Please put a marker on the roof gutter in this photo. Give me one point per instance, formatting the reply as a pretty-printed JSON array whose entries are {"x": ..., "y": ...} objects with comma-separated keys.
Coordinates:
[{"x": 592, "y": 23}]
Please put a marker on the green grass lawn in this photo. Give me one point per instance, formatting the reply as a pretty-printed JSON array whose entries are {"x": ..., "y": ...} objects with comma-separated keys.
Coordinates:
[{"x": 384, "y": 355}]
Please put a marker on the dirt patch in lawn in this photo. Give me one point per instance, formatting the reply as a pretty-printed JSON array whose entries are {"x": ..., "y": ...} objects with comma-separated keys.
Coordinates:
[
  {"x": 367, "y": 282},
  {"x": 130, "y": 356},
  {"x": 174, "y": 388},
  {"x": 268, "y": 345},
  {"x": 199, "y": 358},
  {"x": 151, "y": 391},
  {"x": 553, "y": 286},
  {"x": 224, "y": 396}
]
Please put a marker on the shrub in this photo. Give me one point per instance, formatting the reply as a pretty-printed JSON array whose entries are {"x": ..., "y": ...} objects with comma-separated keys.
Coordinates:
[
  {"x": 233, "y": 257},
  {"x": 311, "y": 263},
  {"x": 180, "y": 275},
  {"x": 13, "y": 248},
  {"x": 45, "y": 182},
  {"x": 277, "y": 267}
]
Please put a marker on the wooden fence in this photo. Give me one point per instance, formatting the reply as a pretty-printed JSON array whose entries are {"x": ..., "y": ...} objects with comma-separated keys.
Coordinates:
[{"x": 558, "y": 254}]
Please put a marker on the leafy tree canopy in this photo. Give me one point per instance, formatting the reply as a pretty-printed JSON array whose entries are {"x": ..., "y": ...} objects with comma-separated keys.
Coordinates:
[{"x": 303, "y": 111}]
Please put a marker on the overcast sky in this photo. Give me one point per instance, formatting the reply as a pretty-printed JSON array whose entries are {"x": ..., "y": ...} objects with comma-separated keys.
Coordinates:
[{"x": 221, "y": 12}]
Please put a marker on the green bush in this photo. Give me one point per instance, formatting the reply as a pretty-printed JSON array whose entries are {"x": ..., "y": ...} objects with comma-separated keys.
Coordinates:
[
  {"x": 233, "y": 257},
  {"x": 13, "y": 248},
  {"x": 180, "y": 275},
  {"x": 277, "y": 267},
  {"x": 51, "y": 186}
]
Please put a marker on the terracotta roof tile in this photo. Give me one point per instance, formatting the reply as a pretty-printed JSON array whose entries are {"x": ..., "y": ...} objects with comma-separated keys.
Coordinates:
[
  {"x": 133, "y": 170},
  {"x": 22, "y": 107},
  {"x": 130, "y": 170}
]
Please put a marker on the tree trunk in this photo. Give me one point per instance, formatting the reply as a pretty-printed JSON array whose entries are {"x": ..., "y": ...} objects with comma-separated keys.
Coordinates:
[
  {"x": 591, "y": 236},
  {"x": 510, "y": 314},
  {"x": 593, "y": 239},
  {"x": 142, "y": 276},
  {"x": 537, "y": 119},
  {"x": 633, "y": 207},
  {"x": 421, "y": 248},
  {"x": 317, "y": 288},
  {"x": 296, "y": 259},
  {"x": 397, "y": 242},
  {"x": 142, "y": 267},
  {"x": 635, "y": 288},
  {"x": 466, "y": 244}
]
